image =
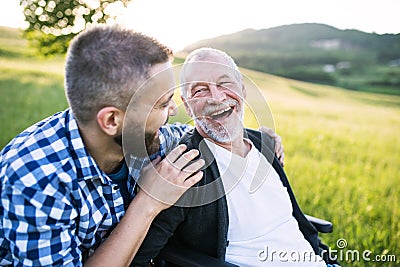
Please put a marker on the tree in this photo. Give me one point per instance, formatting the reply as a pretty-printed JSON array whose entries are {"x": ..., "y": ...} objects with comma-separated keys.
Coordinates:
[{"x": 53, "y": 23}]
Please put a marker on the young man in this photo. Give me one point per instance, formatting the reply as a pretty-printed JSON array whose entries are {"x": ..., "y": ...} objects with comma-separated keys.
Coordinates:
[
  {"x": 58, "y": 202},
  {"x": 65, "y": 190},
  {"x": 249, "y": 215}
]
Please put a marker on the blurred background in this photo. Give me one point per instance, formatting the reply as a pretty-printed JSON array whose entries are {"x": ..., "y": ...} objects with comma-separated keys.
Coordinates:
[{"x": 329, "y": 71}]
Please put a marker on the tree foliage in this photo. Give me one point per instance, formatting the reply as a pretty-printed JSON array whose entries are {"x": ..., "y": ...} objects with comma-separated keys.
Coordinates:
[{"x": 53, "y": 23}]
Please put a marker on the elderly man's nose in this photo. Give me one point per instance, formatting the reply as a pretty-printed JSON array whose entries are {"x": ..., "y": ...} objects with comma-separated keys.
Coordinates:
[{"x": 217, "y": 94}]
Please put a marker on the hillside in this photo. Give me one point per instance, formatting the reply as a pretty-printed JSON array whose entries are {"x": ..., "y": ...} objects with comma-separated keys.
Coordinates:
[
  {"x": 317, "y": 53},
  {"x": 341, "y": 147}
]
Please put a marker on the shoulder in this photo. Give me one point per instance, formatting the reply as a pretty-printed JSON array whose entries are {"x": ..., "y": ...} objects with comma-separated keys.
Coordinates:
[
  {"x": 41, "y": 151},
  {"x": 170, "y": 135},
  {"x": 36, "y": 132},
  {"x": 191, "y": 139},
  {"x": 260, "y": 139},
  {"x": 175, "y": 130}
]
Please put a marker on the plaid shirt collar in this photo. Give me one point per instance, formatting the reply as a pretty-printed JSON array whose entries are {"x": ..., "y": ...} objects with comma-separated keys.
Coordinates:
[{"x": 86, "y": 165}]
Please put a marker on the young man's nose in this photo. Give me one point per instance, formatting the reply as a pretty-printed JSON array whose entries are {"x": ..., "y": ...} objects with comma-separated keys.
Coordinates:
[{"x": 173, "y": 109}]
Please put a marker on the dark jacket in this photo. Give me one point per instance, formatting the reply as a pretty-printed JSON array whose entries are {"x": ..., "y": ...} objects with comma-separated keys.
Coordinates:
[{"x": 204, "y": 228}]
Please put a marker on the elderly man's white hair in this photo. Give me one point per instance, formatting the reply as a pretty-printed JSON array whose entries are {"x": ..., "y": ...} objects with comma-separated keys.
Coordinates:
[{"x": 203, "y": 55}]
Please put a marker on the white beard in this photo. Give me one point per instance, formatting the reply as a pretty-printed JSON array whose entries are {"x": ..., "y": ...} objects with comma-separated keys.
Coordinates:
[{"x": 221, "y": 133}]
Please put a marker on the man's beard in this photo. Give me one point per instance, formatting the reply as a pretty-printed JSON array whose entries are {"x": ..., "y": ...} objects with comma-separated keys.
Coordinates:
[
  {"x": 118, "y": 140},
  {"x": 152, "y": 142},
  {"x": 133, "y": 141},
  {"x": 219, "y": 132},
  {"x": 135, "y": 147}
]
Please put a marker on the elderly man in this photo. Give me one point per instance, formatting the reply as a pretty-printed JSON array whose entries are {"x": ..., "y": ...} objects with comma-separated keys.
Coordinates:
[
  {"x": 243, "y": 210},
  {"x": 66, "y": 196}
]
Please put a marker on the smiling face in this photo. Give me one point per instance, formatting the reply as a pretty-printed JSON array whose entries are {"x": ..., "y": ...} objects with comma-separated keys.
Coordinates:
[
  {"x": 214, "y": 97},
  {"x": 158, "y": 116},
  {"x": 148, "y": 110}
]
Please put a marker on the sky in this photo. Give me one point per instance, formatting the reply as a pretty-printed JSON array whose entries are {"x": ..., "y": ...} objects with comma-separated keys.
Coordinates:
[{"x": 178, "y": 23}]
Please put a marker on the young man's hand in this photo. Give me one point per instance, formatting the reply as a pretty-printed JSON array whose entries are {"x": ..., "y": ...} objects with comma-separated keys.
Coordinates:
[
  {"x": 166, "y": 180},
  {"x": 280, "y": 154}
]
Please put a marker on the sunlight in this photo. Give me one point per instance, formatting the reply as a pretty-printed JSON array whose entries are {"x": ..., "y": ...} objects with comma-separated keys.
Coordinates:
[{"x": 178, "y": 23}]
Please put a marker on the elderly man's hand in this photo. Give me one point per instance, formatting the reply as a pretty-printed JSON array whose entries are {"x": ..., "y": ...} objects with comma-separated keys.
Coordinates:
[{"x": 278, "y": 143}]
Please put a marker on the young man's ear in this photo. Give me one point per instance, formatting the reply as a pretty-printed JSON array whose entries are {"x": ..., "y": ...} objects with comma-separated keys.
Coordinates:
[{"x": 110, "y": 120}]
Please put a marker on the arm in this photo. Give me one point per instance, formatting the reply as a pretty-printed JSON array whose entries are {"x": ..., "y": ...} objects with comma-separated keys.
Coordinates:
[
  {"x": 39, "y": 220},
  {"x": 117, "y": 250},
  {"x": 161, "y": 186},
  {"x": 161, "y": 230},
  {"x": 39, "y": 223},
  {"x": 124, "y": 241},
  {"x": 278, "y": 143}
]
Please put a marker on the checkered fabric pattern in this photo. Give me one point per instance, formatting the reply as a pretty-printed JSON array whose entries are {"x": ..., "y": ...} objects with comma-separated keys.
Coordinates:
[
  {"x": 56, "y": 204},
  {"x": 170, "y": 136}
]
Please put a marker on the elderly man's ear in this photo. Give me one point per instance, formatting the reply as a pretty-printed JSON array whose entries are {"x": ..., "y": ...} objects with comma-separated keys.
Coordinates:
[
  {"x": 244, "y": 91},
  {"x": 110, "y": 120}
]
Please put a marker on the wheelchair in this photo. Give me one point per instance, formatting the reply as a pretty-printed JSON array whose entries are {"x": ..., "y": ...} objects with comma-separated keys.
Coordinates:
[{"x": 172, "y": 256}]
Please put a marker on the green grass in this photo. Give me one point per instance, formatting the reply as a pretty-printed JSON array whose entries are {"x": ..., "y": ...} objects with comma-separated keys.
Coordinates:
[
  {"x": 31, "y": 88},
  {"x": 342, "y": 147},
  {"x": 343, "y": 159},
  {"x": 26, "y": 97}
]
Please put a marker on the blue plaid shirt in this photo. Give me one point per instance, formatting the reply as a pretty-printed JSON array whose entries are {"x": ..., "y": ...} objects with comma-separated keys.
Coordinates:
[{"x": 56, "y": 203}]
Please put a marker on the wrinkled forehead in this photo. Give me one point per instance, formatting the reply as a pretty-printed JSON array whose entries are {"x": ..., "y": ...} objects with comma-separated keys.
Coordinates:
[{"x": 208, "y": 71}]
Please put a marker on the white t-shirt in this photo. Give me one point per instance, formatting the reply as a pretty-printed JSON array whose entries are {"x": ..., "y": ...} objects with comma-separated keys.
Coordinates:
[{"x": 262, "y": 230}]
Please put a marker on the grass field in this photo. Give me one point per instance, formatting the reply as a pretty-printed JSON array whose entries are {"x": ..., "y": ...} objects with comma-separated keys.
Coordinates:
[{"x": 342, "y": 147}]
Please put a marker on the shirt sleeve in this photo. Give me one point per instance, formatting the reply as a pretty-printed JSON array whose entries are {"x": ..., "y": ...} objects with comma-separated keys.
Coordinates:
[
  {"x": 161, "y": 230},
  {"x": 39, "y": 222}
]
